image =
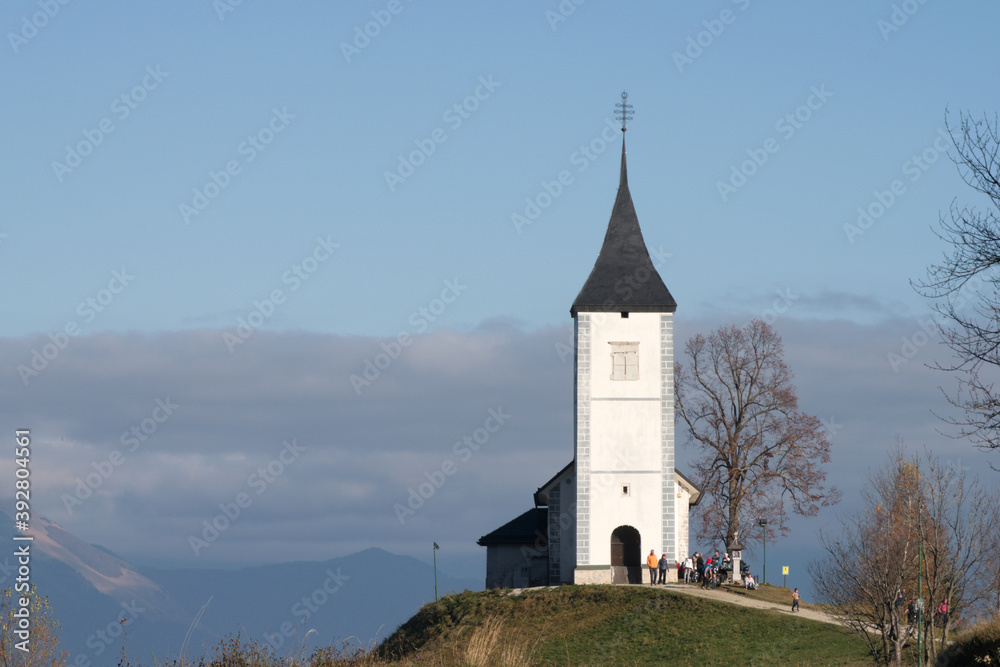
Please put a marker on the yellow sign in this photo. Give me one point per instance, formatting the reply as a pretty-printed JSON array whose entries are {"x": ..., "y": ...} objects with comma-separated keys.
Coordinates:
[{"x": 784, "y": 569}]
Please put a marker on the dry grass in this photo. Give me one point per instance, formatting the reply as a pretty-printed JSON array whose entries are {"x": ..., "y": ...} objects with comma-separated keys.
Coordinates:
[
  {"x": 490, "y": 646},
  {"x": 979, "y": 645}
]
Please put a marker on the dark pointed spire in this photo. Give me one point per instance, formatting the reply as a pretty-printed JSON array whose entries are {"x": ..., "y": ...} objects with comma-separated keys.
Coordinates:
[{"x": 624, "y": 278}]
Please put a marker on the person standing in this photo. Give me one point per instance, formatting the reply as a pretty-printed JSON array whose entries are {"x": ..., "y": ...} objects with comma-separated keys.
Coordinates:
[
  {"x": 663, "y": 569},
  {"x": 706, "y": 575},
  {"x": 688, "y": 570},
  {"x": 652, "y": 562},
  {"x": 795, "y": 600},
  {"x": 700, "y": 571},
  {"x": 942, "y": 614}
]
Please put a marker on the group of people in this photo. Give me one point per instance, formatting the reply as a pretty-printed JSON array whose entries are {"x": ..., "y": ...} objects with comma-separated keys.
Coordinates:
[
  {"x": 695, "y": 569},
  {"x": 698, "y": 569},
  {"x": 915, "y": 606},
  {"x": 657, "y": 566}
]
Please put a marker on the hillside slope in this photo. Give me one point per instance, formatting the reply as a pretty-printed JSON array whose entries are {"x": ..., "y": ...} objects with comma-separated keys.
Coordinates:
[{"x": 612, "y": 625}]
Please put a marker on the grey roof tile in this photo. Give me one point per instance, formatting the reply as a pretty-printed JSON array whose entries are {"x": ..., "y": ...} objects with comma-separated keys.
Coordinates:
[{"x": 624, "y": 278}]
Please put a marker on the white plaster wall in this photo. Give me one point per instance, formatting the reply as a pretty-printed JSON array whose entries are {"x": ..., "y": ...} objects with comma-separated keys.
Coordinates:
[
  {"x": 643, "y": 328},
  {"x": 625, "y": 435},
  {"x": 624, "y": 429},
  {"x": 610, "y": 509}
]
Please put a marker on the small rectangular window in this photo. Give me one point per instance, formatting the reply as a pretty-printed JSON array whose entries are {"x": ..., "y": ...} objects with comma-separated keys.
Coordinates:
[
  {"x": 625, "y": 489},
  {"x": 624, "y": 361}
]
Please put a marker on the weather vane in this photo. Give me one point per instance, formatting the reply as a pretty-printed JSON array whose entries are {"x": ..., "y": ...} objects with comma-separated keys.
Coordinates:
[{"x": 624, "y": 111}]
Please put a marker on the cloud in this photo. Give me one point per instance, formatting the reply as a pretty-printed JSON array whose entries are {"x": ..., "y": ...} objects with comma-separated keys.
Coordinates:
[{"x": 425, "y": 420}]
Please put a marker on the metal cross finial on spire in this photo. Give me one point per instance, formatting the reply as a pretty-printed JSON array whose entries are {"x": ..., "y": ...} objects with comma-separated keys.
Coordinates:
[{"x": 624, "y": 111}]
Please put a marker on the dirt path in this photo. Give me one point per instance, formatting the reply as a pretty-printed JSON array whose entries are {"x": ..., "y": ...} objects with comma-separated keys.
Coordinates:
[
  {"x": 724, "y": 595},
  {"x": 734, "y": 598}
]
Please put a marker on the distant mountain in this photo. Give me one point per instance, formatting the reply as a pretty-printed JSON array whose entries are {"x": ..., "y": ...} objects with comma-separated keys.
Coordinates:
[
  {"x": 363, "y": 597},
  {"x": 291, "y": 606},
  {"x": 92, "y": 591}
]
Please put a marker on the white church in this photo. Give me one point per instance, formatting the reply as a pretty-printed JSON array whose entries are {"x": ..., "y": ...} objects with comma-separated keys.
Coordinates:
[{"x": 621, "y": 496}]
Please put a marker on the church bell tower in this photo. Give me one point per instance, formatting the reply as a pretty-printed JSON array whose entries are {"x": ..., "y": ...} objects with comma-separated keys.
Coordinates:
[{"x": 626, "y": 488}]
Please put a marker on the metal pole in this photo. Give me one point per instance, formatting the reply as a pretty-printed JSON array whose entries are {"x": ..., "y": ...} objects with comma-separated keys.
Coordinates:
[
  {"x": 762, "y": 522},
  {"x": 920, "y": 601},
  {"x": 436, "y": 547}
]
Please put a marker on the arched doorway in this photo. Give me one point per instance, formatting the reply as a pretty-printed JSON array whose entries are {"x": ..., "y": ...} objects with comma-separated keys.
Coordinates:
[{"x": 626, "y": 556}]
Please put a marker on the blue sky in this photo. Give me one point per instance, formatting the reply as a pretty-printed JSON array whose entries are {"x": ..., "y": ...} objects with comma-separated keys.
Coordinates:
[
  {"x": 305, "y": 230},
  {"x": 555, "y": 86}
]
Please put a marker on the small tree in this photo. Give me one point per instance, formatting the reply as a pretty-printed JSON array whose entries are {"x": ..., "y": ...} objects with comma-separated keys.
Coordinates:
[
  {"x": 760, "y": 455},
  {"x": 873, "y": 559},
  {"x": 44, "y": 645},
  {"x": 961, "y": 519},
  {"x": 911, "y": 505}
]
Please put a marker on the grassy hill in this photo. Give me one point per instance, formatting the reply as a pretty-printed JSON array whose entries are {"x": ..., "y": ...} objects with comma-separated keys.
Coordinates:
[
  {"x": 611, "y": 625},
  {"x": 578, "y": 625}
]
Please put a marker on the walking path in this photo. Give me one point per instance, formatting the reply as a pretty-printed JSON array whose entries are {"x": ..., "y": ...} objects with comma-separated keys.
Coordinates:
[
  {"x": 726, "y": 595},
  {"x": 745, "y": 600}
]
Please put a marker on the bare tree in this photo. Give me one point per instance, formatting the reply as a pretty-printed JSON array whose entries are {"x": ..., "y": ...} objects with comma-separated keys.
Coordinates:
[
  {"x": 960, "y": 519},
  {"x": 925, "y": 519},
  {"x": 872, "y": 560},
  {"x": 760, "y": 455},
  {"x": 966, "y": 283}
]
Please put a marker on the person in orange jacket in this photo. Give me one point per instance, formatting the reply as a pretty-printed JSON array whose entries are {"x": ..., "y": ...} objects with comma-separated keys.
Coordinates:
[{"x": 653, "y": 562}]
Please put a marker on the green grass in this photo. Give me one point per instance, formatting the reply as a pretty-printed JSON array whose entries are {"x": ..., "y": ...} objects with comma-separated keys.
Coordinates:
[{"x": 616, "y": 625}]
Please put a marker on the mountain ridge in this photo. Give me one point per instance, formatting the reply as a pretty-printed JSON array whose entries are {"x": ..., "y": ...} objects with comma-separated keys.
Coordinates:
[{"x": 98, "y": 597}]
